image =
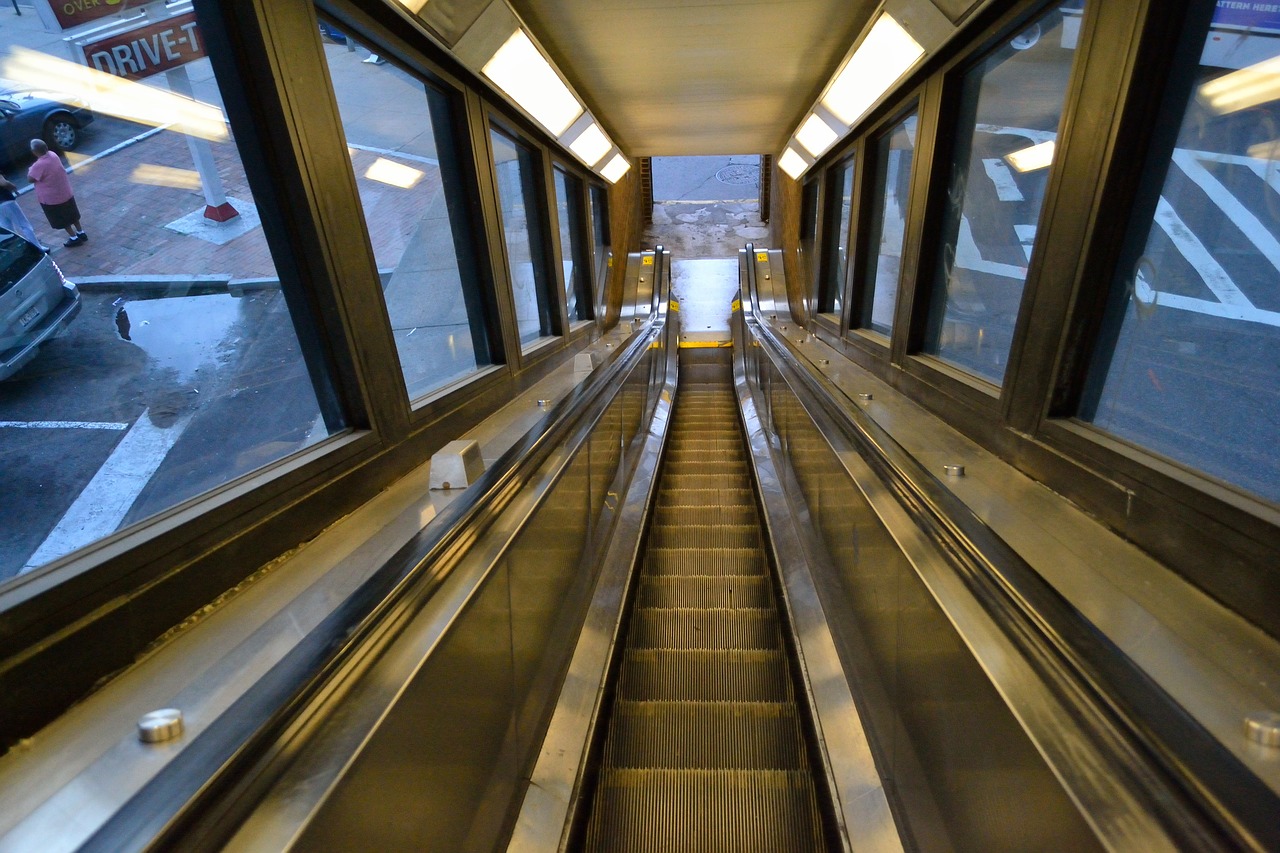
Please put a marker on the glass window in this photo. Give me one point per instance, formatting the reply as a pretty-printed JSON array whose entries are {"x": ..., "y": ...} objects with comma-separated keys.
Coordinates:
[
  {"x": 1188, "y": 365},
  {"x": 1010, "y": 107},
  {"x": 577, "y": 290},
  {"x": 600, "y": 240},
  {"x": 182, "y": 361},
  {"x": 809, "y": 236},
  {"x": 837, "y": 239},
  {"x": 399, "y": 133},
  {"x": 517, "y": 172},
  {"x": 894, "y": 153}
]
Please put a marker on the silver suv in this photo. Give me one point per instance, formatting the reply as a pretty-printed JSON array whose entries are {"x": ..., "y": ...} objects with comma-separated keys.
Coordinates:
[{"x": 36, "y": 302}]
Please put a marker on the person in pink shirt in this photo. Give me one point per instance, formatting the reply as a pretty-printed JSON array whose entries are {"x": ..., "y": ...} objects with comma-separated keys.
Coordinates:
[{"x": 53, "y": 191}]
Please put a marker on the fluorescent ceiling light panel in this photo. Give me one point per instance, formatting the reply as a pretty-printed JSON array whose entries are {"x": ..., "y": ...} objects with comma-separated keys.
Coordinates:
[
  {"x": 521, "y": 71},
  {"x": 591, "y": 145},
  {"x": 616, "y": 168},
  {"x": 879, "y": 62},
  {"x": 1036, "y": 157},
  {"x": 816, "y": 135},
  {"x": 792, "y": 163}
]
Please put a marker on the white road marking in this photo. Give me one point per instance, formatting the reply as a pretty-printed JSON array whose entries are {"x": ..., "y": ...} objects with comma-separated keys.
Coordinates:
[
  {"x": 1268, "y": 170},
  {"x": 1002, "y": 177},
  {"x": 104, "y": 502},
  {"x": 969, "y": 257},
  {"x": 1036, "y": 136},
  {"x": 1201, "y": 259},
  {"x": 387, "y": 152},
  {"x": 62, "y": 425},
  {"x": 1145, "y": 294},
  {"x": 1239, "y": 215},
  {"x": 1027, "y": 237}
]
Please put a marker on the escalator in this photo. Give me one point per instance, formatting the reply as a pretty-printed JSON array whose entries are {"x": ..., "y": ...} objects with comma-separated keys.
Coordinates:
[{"x": 705, "y": 747}]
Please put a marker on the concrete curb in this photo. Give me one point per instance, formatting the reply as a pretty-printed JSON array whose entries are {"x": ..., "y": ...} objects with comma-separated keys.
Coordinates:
[{"x": 169, "y": 285}]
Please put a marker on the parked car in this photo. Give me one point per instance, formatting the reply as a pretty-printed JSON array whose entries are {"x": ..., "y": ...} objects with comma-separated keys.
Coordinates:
[
  {"x": 26, "y": 113},
  {"x": 36, "y": 301}
]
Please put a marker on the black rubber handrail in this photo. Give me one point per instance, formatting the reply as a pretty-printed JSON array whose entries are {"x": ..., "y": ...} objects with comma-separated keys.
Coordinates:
[
  {"x": 1202, "y": 793},
  {"x": 218, "y": 777}
]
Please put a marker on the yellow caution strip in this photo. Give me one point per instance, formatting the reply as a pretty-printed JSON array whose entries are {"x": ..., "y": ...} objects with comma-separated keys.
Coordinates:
[{"x": 706, "y": 344}]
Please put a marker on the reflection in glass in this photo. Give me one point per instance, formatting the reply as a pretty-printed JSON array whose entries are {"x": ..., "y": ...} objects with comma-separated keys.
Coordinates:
[
  {"x": 517, "y": 172},
  {"x": 809, "y": 236},
  {"x": 600, "y": 240},
  {"x": 1187, "y": 365},
  {"x": 1011, "y": 101},
  {"x": 186, "y": 365},
  {"x": 577, "y": 291},
  {"x": 398, "y": 136},
  {"x": 893, "y": 153},
  {"x": 837, "y": 240}
]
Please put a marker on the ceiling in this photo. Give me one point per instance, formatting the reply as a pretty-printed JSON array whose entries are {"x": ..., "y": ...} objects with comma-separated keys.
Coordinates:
[{"x": 678, "y": 77}]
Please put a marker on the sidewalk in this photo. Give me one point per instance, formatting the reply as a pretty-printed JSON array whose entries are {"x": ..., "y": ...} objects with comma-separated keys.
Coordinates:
[{"x": 130, "y": 223}]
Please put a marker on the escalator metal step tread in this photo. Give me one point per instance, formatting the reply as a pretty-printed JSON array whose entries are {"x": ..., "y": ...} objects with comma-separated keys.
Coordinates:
[
  {"x": 702, "y": 482},
  {"x": 722, "y": 467},
  {"x": 707, "y": 537},
  {"x": 706, "y": 736},
  {"x": 705, "y": 675},
  {"x": 704, "y": 749},
  {"x": 706, "y": 516},
  {"x": 705, "y": 591},
  {"x": 701, "y": 628},
  {"x": 723, "y": 562},
  {"x": 706, "y": 497},
  {"x": 705, "y": 810}
]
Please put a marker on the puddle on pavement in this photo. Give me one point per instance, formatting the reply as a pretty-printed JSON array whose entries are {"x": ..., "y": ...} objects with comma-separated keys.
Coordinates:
[{"x": 181, "y": 333}]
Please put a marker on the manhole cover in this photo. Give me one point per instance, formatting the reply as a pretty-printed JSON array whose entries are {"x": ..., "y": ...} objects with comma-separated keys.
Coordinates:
[{"x": 740, "y": 175}]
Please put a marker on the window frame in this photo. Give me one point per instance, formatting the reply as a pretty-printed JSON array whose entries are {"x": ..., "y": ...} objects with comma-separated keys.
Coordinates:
[
  {"x": 91, "y": 614},
  {"x": 586, "y": 252},
  {"x": 874, "y": 346},
  {"x": 826, "y": 284},
  {"x": 543, "y": 256}
]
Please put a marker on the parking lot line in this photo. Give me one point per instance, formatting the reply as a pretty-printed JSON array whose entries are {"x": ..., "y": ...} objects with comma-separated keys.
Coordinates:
[
  {"x": 104, "y": 502},
  {"x": 62, "y": 425}
]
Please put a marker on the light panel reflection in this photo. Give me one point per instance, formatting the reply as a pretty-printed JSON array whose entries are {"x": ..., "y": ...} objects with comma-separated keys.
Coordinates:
[
  {"x": 115, "y": 96},
  {"x": 1033, "y": 158},
  {"x": 385, "y": 171},
  {"x": 166, "y": 176},
  {"x": 1240, "y": 90}
]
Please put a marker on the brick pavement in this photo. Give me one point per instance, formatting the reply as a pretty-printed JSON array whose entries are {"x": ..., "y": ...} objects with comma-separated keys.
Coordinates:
[{"x": 126, "y": 220}]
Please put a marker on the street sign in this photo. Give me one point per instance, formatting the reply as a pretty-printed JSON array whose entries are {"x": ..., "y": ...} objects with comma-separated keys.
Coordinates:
[
  {"x": 148, "y": 49},
  {"x": 60, "y": 15}
]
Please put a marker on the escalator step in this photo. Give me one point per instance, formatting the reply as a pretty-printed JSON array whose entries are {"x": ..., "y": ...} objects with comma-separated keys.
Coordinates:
[
  {"x": 705, "y": 810},
  {"x": 706, "y": 736},
  {"x": 698, "y": 628},
  {"x": 704, "y": 675},
  {"x": 705, "y": 591},
  {"x": 706, "y": 537},
  {"x": 709, "y": 515},
  {"x": 730, "y": 562},
  {"x": 706, "y": 497},
  {"x": 675, "y": 482}
]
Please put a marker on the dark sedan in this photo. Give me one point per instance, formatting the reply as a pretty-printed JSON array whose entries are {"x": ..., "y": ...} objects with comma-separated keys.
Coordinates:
[{"x": 25, "y": 114}]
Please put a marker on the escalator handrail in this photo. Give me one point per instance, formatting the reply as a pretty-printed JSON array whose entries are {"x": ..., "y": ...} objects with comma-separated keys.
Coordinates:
[
  {"x": 1197, "y": 789},
  {"x": 205, "y": 781}
]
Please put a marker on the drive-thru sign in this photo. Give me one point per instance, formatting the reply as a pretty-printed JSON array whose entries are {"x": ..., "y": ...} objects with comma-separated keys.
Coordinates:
[
  {"x": 153, "y": 47},
  {"x": 133, "y": 40}
]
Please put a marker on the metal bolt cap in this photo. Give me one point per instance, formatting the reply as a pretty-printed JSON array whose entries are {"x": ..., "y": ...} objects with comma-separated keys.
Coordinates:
[
  {"x": 1263, "y": 728},
  {"x": 160, "y": 726},
  {"x": 954, "y": 470}
]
